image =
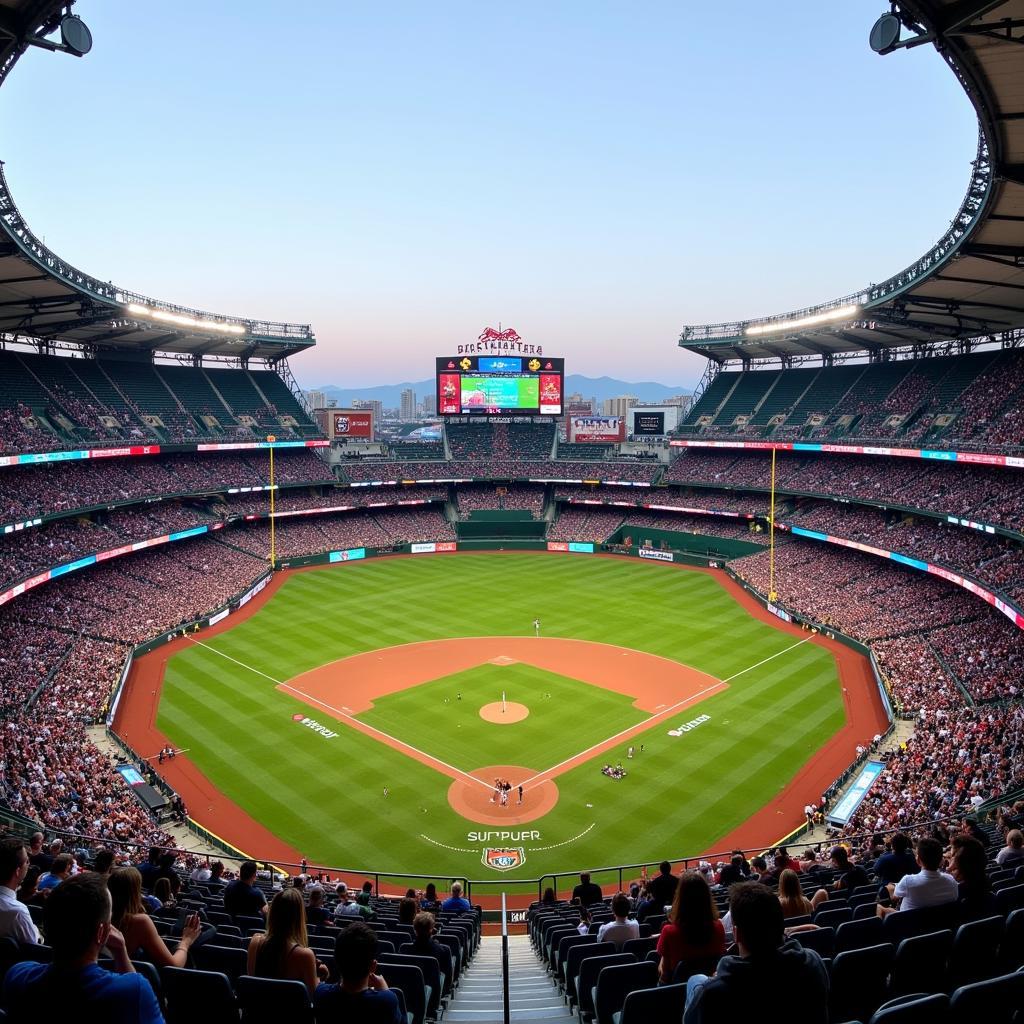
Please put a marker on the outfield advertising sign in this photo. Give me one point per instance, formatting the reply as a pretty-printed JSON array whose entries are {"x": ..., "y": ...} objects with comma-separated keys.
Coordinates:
[
  {"x": 655, "y": 555},
  {"x": 351, "y": 555},
  {"x": 844, "y": 810}
]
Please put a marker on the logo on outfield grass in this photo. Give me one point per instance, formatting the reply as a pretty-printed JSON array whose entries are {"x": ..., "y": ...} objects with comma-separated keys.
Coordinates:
[
  {"x": 310, "y": 723},
  {"x": 503, "y": 858},
  {"x": 691, "y": 724}
]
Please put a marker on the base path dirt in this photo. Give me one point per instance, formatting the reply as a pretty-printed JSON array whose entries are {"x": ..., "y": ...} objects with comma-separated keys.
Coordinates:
[{"x": 137, "y": 711}]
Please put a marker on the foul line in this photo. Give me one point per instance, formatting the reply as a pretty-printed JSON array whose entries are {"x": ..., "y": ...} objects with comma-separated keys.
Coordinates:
[
  {"x": 450, "y": 769},
  {"x": 764, "y": 661},
  {"x": 641, "y": 726}
]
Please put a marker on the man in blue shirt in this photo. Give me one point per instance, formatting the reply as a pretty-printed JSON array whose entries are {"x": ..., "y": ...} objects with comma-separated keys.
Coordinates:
[
  {"x": 362, "y": 995},
  {"x": 74, "y": 987},
  {"x": 456, "y": 903}
]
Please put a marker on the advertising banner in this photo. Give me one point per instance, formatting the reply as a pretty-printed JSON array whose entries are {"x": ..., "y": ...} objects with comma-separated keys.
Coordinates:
[
  {"x": 583, "y": 548},
  {"x": 353, "y": 423},
  {"x": 596, "y": 429},
  {"x": 422, "y": 549},
  {"x": 351, "y": 555},
  {"x": 844, "y": 810},
  {"x": 557, "y": 545},
  {"x": 655, "y": 555}
]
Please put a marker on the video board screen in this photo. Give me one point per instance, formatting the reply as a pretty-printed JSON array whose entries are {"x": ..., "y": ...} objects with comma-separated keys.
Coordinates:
[{"x": 499, "y": 385}]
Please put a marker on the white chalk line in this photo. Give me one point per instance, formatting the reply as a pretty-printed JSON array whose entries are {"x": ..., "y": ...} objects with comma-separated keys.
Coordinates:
[
  {"x": 351, "y": 718},
  {"x": 454, "y": 849},
  {"x": 764, "y": 661}
]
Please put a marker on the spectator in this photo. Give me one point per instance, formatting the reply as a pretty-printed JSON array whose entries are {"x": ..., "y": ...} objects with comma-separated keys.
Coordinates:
[
  {"x": 103, "y": 862},
  {"x": 430, "y": 901},
  {"x": 456, "y": 903},
  {"x": 585, "y": 921},
  {"x": 74, "y": 986},
  {"x": 899, "y": 861},
  {"x": 851, "y": 876},
  {"x": 283, "y": 950},
  {"x": 587, "y": 892},
  {"x": 968, "y": 866},
  {"x": 15, "y": 920},
  {"x": 769, "y": 977},
  {"x": 426, "y": 945},
  {"x": 406, "y": 911},
  {"x": 733, "y": 871},
  {"x": 622, "y": 928},
  {"x": 130, "y": 918},
  {"x": 348, "y": 907},
  {"x": 930, "y": 887},
  {"x": 548, "y": 899},
  {"x": 361, "y": 995},
  {"x": 316, "y": 913},
  {"x": 791, "y": 896},
  {"x": 663, "y": 887},
  {"x": 59, "y": 871},
  {"x": 243, "y": 896},
  {"x": 37, "y": 855},
  {"x": 693, "y": 936},
  {"x": 1012, "y": 854}
]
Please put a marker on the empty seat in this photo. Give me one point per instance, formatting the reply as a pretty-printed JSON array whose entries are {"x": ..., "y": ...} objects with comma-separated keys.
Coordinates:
[
  {"x": 833, "y": 918},
  {"x": 222, "y": 959},
  {"x": 653, "y": 1005},
  {"x": 974, "y": 953},
  {"x": 269, "y": 1001},
  {"x": 858, "y": 934},
  {"x": 615, "y": 982},
  {"x": 590, "y": 969},
  {"x": 990, "y": 999},
  {"x": 185, "y": 991},
  {"x": 858, "y": 982},
  {"x": 575, "y": 957},
  {"x": 915, "y": 1009},
  {"x": 821, "y": 940},
  {"x": 920, "y": 963}
]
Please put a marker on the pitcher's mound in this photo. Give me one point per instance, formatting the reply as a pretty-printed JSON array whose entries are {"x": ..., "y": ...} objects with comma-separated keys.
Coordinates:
[{"x": 512, "y": 712}]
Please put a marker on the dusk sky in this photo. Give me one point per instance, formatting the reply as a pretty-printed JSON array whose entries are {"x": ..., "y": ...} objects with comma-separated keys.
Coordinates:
[{"x": 401, "y": 176}]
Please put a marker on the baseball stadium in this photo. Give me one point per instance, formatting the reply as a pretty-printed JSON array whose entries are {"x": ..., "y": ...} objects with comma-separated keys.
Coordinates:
[{"x": 559, "y": 682}]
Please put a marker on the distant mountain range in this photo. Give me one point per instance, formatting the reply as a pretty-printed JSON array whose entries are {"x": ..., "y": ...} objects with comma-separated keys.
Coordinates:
[{"x": 590, "y": 387}]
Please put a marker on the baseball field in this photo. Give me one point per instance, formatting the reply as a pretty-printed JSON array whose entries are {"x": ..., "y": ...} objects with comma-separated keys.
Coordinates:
[{"x": 362, "y": 713}]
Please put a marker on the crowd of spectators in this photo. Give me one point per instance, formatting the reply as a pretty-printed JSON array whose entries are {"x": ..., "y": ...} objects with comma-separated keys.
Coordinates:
[
  {"x": 28, "y": 491},
  {"x": 501, "y": 469},
  {"x": 520, "y": 497},
  {"x": 296, "y": 499},
  {"x": 964, "y": 646},
  {"x": 989, "y": 494}
]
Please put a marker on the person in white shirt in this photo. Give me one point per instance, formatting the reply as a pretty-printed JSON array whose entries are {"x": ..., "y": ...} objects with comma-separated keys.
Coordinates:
[
  {"x": 623, "y": 928},
  {"x": 930, "y": 887},
  {"x": 15, "y": 920}
]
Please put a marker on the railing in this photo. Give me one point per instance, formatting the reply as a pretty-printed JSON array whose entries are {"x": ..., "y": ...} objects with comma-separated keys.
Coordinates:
[{"x": 505, "y": 1003}]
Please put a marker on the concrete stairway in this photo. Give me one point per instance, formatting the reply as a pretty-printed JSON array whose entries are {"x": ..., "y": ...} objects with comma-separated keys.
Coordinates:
[{"x": 533, "y": 995}]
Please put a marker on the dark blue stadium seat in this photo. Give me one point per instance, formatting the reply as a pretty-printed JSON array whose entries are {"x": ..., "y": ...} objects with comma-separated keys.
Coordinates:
[
  {"x": 821, "y": 940},
  {"x": 1010, "y": 899},
  {"x": 974, "y": 953},
  {"x": 914, "y": 1009},
  {"x": 858, "y": 982},
  {"x": 654, "y": 1005},
  {"x": 574, "y": 958},
  {"x": 186, "y": 990},
  {"x": 590, "y": 969},
  {"x": 993, "y": 999},
  {"x": 614, "y": 983},
  {"x": 858, "y": 934},
  {"x": 268, "y": 1000},
  {"x": 410, "y": 980},
  {"x": 833, "y": 918},
  {"x": 920, "y": 963},
  {"x": 221, "y": 959}
]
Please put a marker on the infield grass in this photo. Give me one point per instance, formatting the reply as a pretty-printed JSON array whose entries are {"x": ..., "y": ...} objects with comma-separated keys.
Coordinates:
[{"x": 325, "y": 796}]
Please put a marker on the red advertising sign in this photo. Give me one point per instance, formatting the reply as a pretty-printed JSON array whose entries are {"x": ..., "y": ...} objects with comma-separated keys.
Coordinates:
[
  {"x": 449, "y": 393},
  {"x": 353, "y": 423}
]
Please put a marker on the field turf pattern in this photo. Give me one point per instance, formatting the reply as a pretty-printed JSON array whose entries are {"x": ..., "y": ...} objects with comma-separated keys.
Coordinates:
[{"x": 325, "y": 797}]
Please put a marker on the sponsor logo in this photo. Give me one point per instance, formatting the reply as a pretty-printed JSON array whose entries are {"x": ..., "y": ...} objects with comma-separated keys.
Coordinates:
[
  {"x": 557, "y": 545},
  {"x": 310, "y": 723},
  {"x": 687, "y": 726},
  {"x": 503, "y": 858},
  {"x": 511, "y": 837},
  {"x": 423, "y": 549},
  {"x": 658, "y": 556}
]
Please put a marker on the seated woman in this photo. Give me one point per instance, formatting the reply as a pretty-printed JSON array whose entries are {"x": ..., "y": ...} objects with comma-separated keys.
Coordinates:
[
  {"x": 283, "y": 950},
  {"x": 406, "y": 911},
  {"x": 163, "y": 892},
  {"x": 430, "y": 901},
  {"x": 129, "y": 916},
  {"x": 694, "y": 935},
  {"x": 791, "y": 896}
]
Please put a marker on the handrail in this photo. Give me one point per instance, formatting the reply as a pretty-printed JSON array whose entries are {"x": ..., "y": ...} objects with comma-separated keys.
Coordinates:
[{"x": 505, "y": 1003}]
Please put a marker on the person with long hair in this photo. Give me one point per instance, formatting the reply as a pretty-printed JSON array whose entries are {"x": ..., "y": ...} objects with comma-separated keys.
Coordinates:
[
  {"x": 430, "y": 901},
  {"x": 283, "y": 951},
  {"x": 128, "y": 915},
  {"x": 791, "y": 896},
  {"x": 967, "y": 866},
  {"x": 162, "y": 891},
  {"x": 693, "y": 935}
]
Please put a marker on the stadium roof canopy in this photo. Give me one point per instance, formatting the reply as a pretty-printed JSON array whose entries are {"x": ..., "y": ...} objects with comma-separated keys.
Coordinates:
[
  {"x": 45, "y": 299},
  {"x": 970, "y": 284}
]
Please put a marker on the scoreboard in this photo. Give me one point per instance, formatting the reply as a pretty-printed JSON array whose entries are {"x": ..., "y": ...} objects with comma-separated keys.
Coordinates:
[{"x": 500, "y": 385}]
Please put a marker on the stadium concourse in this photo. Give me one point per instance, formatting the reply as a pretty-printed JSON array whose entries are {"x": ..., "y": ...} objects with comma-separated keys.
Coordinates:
[{"x": 858, "y": 465}]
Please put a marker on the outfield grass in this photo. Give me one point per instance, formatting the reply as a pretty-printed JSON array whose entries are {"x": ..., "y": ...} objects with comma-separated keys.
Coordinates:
[{"x": 325, "y": 796}]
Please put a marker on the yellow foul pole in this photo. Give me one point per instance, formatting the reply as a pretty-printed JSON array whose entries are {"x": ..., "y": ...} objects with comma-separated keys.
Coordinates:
[
  {"x": 772, "y": 596},
  {"x": 271, "y": 439}
]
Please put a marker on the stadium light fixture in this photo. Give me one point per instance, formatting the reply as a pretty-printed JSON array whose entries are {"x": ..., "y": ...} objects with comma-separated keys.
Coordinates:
[
  {"x": 183, "y": 320},
  {"x": 839, "y": 313}
]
